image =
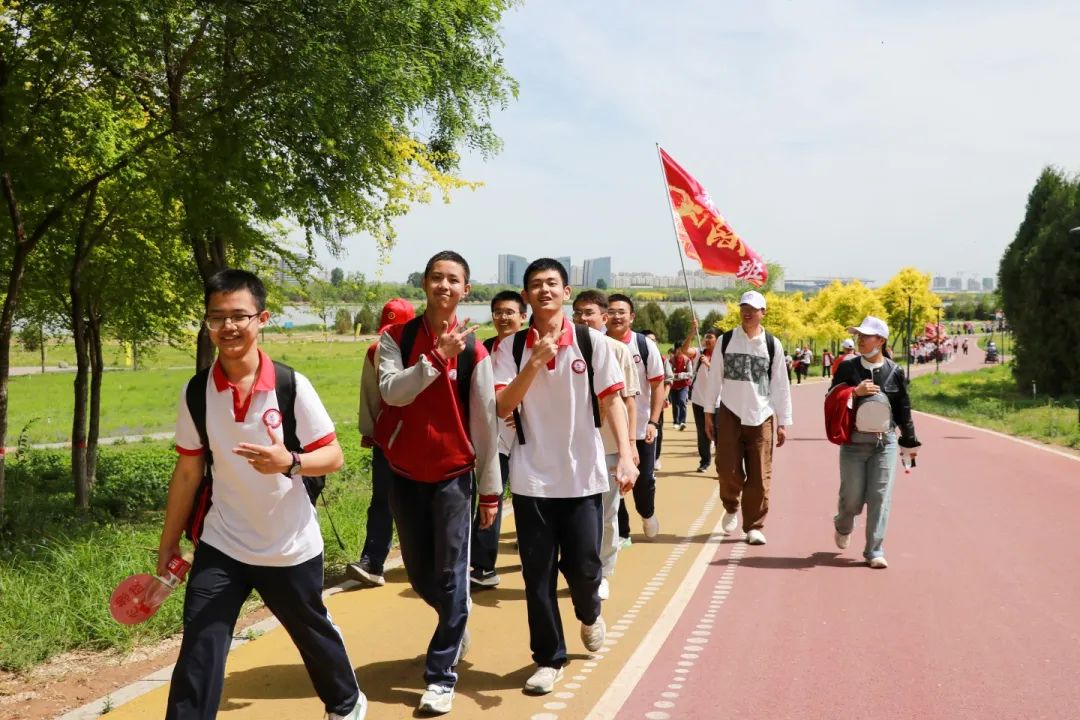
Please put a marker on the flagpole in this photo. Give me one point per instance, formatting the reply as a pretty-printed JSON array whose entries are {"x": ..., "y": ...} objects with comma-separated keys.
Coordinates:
[{"x": 678, "y": 243}]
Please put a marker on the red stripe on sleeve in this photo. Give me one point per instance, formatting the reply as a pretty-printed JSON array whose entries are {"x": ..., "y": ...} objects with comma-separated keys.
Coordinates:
[
  {"x": 321, "y": 442},
  {"x": 499, "y": 387},
  {"x": 658, "y": 378},
  {"x": 189, "y": 452},
  {"x": 613, "y": 389}
]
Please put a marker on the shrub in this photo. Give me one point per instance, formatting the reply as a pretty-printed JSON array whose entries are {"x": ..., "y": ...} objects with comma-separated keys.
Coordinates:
[
  {"x": 343, "y": 322},
  {"x": 133, "y": 479}
]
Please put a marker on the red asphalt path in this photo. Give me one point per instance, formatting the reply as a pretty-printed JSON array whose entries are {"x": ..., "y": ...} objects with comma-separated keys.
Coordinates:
[{"x": 977, "y": 616}]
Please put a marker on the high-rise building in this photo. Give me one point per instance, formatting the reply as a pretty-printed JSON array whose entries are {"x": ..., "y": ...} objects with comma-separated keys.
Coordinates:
[
  {"x": 577, "y": 275},
  {"x": 973, "y": 285},
  {"x": 940, "y": 282},
  {"x": 512, "y": 270},
  {"x": 956, "y": 283},
  {"x": 988, "y": 284},
  {"x": 597, "y": 269},
  {"x": 565, "y": 261}
]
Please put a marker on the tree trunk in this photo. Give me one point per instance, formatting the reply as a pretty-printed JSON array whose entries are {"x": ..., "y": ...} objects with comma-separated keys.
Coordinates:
[
  {"x": 81, "y": 335},
  {"x": 23, "y": 248},
  {"x": 209, "y": 250},
  {"x": 97, "y": 370},
  {"x": 41, "y": 345}
]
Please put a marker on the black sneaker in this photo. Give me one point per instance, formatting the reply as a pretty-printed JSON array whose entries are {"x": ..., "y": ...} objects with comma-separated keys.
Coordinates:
[
  {"x": 484, "y": 578},
  {"x": 365, "y": 573},
  {"x": 702, "y": 468}
]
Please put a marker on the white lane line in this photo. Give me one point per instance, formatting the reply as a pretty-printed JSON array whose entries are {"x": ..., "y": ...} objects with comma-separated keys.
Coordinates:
[
  {"x": 619, "y": 690},
  {"x": 1022, "y": 441}
]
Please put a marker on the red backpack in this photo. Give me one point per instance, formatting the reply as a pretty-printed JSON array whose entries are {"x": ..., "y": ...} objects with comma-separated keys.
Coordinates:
[{"x": 839, "y": 419}]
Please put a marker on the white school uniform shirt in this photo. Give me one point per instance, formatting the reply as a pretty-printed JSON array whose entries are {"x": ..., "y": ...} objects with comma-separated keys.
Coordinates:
[
  {"x": 701, "y": 381},
  {"x": 563, "y": 456},
  {"x": 648, "y": 373},
  {"x": 630, "y": 389},
  {"x": 257, "y": 519},
  {"x": 507, "y": 436},
  {"x": 739, "y": 379}
]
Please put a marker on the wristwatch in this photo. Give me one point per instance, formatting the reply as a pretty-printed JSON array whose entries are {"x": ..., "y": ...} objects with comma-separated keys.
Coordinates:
[
  {"x": 654, "y": 424},
  {"x": 295, "y": 467}
]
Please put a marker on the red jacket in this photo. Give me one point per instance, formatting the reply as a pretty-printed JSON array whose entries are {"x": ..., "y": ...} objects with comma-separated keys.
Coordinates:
[{"x": 421, "y": 426}]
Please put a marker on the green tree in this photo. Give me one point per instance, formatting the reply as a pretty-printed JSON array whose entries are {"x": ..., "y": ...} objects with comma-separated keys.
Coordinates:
[
  {"x": 601, "y": 284},
  {"x": 678, "y": 324},
  {"x": 337, "y": 276},
  {"x": 651, "y": 317},
  {"x": 416, "y": 279},
  {"x": 1038, "y": 278}
]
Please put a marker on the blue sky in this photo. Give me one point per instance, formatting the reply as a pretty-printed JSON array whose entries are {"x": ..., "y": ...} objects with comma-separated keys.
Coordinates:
[{"x": 838, "y": 137}]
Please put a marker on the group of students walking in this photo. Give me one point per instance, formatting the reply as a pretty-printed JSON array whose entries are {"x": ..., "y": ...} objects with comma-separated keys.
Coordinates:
[{"x": 567, "y": 413}]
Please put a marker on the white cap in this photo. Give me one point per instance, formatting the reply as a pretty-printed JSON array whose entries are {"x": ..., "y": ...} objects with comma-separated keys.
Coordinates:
[
  {"x": 848, "y": 343},
  {"x": 871, "y": 326},
  {"x": 754, "y": 299}
]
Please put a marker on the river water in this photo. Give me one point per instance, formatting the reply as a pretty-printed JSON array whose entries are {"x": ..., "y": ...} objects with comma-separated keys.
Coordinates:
[{"x": 476, "y": 312}]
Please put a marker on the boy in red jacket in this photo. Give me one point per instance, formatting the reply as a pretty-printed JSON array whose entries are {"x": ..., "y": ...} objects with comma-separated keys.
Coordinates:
[{"x": 435, "y": 440}]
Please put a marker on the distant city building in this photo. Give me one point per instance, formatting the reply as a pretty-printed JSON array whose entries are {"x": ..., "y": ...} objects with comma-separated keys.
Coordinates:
[
  {"x": 512, "y": 270},
  {"x": 815, "y": 284},
  {"x": 595, "y": 270},
  {"x": 577, "y": 275},
  {"x": 565, "y": 262},
  {"x": 988, "y": 284},
  {"x": 973, "y": 285},
  {"x": 293, "y": 271},
  {"x": 700, "y": 280},
  {"x": 956, "y": 283},
  {"x": 940, "y": 282}
]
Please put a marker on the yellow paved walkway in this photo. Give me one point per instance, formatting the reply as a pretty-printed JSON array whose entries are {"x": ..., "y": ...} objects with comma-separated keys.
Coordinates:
[{"x": 387, "y": 629}]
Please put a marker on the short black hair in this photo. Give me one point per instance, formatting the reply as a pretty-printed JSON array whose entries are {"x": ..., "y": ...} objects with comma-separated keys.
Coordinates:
[
  {"x": 676, "y": 343},
  {"x": 619, "y": 297},
  {"x": 450, "y": 256},
  {"x": 711, "y": 331},
  {"x": 508, "y": 296},
  {"x": 647, "y": 333},
  {"x": 231, "y": 280},
  {"x": 592, "y": 297},
  {"x": 542, "y": 264}
]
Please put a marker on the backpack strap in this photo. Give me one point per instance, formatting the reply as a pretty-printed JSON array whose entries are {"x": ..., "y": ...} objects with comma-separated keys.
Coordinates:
[
  {"x": 196, "y": 403},
  {"x": 643, "y": 351},
  {"x": 519, "y": 351},
  {"x": 195, "y": 397},
  {"x": 584, "y": 341},
  {"x": 408, "y": 339},
  {"x": 489, "y": 344},
  {"x": 725, "y": 340},
  {"x": 466, "y": 363}
]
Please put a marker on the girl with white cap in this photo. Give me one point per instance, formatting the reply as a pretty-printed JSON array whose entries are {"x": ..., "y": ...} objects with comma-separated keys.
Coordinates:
[{"x": 868, "y": 459}]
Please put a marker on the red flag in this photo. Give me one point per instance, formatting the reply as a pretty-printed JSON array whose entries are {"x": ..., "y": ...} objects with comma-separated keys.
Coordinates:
[{"x": 704, "y": 233}]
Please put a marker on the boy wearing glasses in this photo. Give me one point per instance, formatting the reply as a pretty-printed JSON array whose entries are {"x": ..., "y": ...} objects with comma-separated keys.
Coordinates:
[{"x": 261, "y": 532}]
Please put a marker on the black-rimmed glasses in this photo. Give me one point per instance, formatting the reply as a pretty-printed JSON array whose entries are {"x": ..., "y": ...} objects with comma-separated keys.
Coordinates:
[{"x": 237, "y": 321}]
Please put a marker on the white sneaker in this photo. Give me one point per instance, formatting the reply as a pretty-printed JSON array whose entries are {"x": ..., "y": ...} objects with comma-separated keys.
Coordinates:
[
  {"x": 359, "y": 711},
  {"x": 755, "y": 537},
  {"x": 437, "y": 700},
  {"x": 543, "y": 680},
  {"x": 603, "y": 591},
  {"x": 463, "y": 648},
  {"x": 842, "y": 540},
  {"x": 658, "y": 465},
  {"x": 651, "y": 526},
  {"x": 730, "y": 522},
  {"x": 878, "y": 563},
  {"x": 593, "y": 635}
]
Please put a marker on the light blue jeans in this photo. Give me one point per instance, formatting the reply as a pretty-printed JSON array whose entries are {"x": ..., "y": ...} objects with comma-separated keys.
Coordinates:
[{"x": 866, "y": 477}]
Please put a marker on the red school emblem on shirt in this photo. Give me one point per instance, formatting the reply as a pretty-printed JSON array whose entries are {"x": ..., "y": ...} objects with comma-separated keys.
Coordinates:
[
  {"x": 272, "y": 418},
  {"x": 637, "y": 359},
  {"x": 578, "y": 366}
]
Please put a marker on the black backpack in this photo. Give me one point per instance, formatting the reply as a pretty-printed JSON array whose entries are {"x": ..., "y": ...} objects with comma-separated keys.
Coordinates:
[
  {"x": 584, "y": 342},
  {"x": 770, "y": 342},
  {"x": 285, "y": 386},
  {"x": 466, "y": 362}
]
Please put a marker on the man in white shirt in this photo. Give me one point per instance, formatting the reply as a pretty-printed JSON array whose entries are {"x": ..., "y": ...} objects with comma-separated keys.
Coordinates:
[
  {"x": 558, "y": 474},
  {"x": 650, "y": 404},
  {"x": 749, "y": 394},
  {"x": 259, "y": 529},
  {"x": 700, "y": 359}
]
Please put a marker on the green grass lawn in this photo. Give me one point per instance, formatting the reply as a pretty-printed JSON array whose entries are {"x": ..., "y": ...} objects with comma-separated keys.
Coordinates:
[
  {"x": 59, "y": 566},
  {"x": 990, "y": 398}
]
